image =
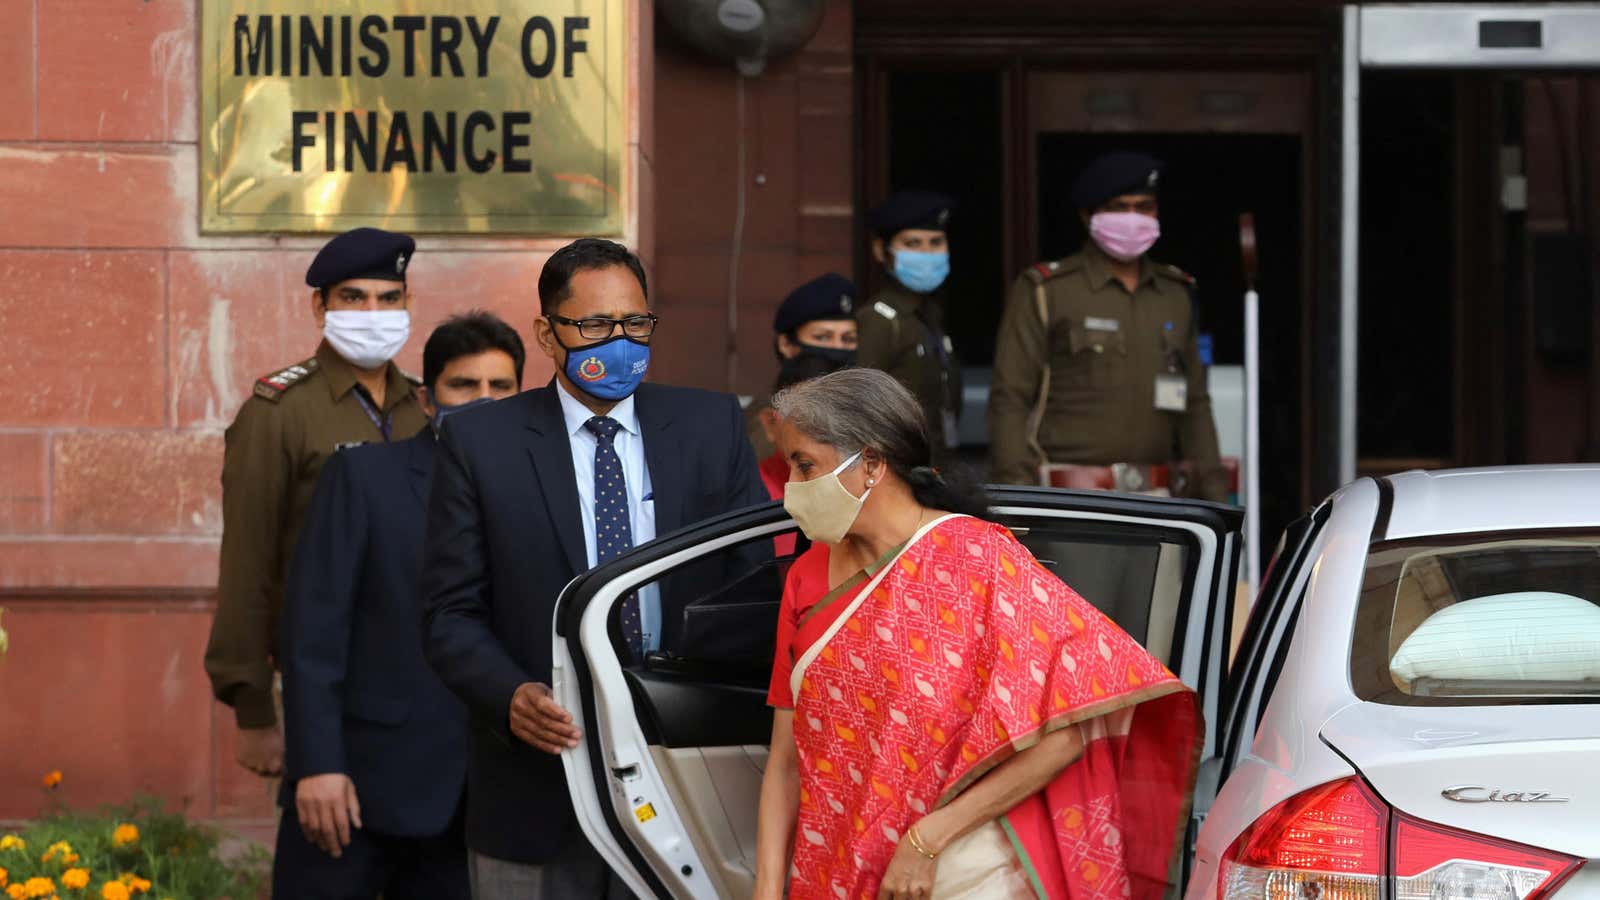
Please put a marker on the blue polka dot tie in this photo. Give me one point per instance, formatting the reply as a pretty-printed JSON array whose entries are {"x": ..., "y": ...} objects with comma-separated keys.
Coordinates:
[{"x": 613, "y": 530}]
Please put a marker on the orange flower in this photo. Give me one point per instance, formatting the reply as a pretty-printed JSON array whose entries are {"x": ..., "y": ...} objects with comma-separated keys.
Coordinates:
[
  {"x": 70, "y": 859},
  {"x": 134, "y": 883},
  {"x": 76, "y": 879},
  {"x": 17, "y": 892},
  {"x": 52, "y": 780},
  {"x": 124, "y": 835},
  {"x": 114, "y": 890},
  {"x": 4, "y": 876},
  {"x": 37, "y": 887}
]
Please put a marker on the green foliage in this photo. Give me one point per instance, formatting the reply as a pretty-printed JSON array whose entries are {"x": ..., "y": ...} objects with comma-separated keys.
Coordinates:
[{"x": 181, "y": 860}]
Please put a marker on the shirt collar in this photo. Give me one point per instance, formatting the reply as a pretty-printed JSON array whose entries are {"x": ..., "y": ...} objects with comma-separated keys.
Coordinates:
[
  {"x": 575, "y": 414},
  {"x": 341, "y": 377},
  {"x": 1097, "y": 268}
]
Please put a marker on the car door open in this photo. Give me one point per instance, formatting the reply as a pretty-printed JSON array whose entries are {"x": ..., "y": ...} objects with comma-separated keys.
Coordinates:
[{"x": 667, "y": 781}]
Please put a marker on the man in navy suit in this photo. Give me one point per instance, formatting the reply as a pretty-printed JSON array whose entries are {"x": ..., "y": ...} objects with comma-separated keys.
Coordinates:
[
  {"x": 532, "y": 492},
  {"x": 377, "y": 745}
]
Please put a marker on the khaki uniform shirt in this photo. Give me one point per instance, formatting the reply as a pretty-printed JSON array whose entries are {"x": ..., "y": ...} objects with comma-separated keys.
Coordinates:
[
  {"x": 903, "y": 334},
  {"x": 274, "y": 451},
  {"x": 1105, "y": 348}
]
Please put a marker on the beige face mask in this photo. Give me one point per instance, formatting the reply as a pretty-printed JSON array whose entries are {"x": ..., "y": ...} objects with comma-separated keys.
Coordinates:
[{"x": 822, "y": 507}]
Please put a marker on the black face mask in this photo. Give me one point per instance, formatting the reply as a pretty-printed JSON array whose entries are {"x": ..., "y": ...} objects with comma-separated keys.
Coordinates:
[
  {"x": 812, "y": 362},
  {"x": 839, "y": 356}
]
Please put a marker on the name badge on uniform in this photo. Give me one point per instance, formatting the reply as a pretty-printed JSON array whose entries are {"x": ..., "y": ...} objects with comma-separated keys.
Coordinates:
[
  {"x": 1172, "y": 392},
  {"x": 1095, "y": 323},
  {"x": 346, "y": 445}
]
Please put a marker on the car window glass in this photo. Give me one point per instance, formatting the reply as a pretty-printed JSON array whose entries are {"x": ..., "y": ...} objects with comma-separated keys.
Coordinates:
[
  {"x": 1136, "y": 576},
  {"x": 1497, "y": 618},
  {"x": 719, "y": 612}
]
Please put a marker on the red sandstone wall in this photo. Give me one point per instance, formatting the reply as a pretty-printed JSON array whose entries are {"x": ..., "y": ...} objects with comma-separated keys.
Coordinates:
[
  {"x": 127, "y": 342},
  {"x": 799, "y": 142}
]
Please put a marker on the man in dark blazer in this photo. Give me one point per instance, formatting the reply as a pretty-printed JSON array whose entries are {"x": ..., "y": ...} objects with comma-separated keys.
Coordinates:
[
  {"x": 377, "y": 745},
  {"x": 528, "y": 494}
]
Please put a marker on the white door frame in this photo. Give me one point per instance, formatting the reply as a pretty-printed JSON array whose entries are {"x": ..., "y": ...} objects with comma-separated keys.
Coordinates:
[{"x": 1433, "y": 36}]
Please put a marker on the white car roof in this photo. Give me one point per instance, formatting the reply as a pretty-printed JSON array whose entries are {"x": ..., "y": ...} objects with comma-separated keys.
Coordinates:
[{"x": 1460, "y": 501}]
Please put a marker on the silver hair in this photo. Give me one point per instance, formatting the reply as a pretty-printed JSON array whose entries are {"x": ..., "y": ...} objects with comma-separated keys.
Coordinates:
[{"x": 853, "y": 409}]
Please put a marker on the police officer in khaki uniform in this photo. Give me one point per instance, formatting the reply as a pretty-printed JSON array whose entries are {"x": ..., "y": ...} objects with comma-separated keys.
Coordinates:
[
  {"x": 902, "y": 328},
  {"x": 347, "y": 393},
  {"x": 1097, "y": 375},
  {"x": 813, "y": 333}
]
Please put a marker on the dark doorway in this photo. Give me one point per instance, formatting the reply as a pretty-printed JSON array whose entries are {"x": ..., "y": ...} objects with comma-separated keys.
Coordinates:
[
  {"x": 1210, "y": 179},
  {"x": 1410, "y": 223},
  {"x": 945, "y": 135}
]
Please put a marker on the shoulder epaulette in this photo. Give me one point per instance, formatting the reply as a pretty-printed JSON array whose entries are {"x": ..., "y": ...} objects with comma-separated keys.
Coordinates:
[
  {"x": 416, "y": 380},
  {"x": 1041, "y": 272},
  {"x": 1176, "y": 274},
  {"x": 271, "y": 387}
]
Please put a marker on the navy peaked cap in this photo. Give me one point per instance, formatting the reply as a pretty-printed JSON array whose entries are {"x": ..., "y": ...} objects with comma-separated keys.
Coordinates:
[
  {"x": 1113, "y": 175},
  {"x": 827, "y": 296},
  {"x": 911, "y": 209},
  {"x": 362, "y": 253}
]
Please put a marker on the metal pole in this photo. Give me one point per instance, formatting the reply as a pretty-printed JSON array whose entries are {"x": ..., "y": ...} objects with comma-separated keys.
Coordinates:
[
  {"x": 1349, "y": 233},
  {"x": 1252, "y": 406},
  {"x": 1252, "y": 439}
]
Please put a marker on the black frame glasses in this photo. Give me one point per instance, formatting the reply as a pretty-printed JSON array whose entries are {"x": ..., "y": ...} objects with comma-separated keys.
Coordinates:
[{"x": 599, "y": 328}]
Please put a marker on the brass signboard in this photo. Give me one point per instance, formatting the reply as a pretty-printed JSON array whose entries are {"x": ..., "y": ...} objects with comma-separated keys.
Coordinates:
[{"x": 479, "y": 116}]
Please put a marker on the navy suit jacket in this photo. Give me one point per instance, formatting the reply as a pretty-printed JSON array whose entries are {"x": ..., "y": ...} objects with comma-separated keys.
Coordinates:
[
  {"x": 505, "y": 536},
  {"x": 358, "y": 694}
]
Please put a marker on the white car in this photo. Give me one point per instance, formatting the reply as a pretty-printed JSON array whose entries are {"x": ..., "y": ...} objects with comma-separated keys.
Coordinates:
[{"x": 1409, "y": 716}]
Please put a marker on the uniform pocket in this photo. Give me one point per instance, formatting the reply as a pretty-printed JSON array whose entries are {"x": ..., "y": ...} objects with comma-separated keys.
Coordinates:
[{"x": 1090, "y": 358}]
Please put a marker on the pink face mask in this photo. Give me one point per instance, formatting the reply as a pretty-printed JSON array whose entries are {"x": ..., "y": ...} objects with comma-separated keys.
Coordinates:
[{"x": 1124, "y": 236}]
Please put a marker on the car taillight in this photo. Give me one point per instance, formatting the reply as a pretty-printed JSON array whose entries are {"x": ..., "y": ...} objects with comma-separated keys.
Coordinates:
[
  {"x": 1323, "y": 844},
  {"x": 1435, "y": 862},
  {"x": 1333, "y": 842}
]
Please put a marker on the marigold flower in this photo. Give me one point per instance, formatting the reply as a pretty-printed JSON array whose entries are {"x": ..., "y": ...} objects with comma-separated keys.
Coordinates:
[
  {"x": 17, "y": 892},
  {"x": 4, "y": 876},
  {"x": 71, "y": 859},
  {"x": 38, "y": 887},
  {"x": 134, "y": 883},
  {"x": 59, "y": 848},
  {"x": 124, "y": 835},
  {"x": 52, "y": 779},
  {"x": 12, "y": 842},
  {"x": 114, "y": 890},
  {"x": 75, "y": 879}
]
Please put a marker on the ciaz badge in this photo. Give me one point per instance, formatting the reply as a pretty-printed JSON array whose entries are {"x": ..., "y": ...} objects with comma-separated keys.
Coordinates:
[{"x": 1474, "y": 793}]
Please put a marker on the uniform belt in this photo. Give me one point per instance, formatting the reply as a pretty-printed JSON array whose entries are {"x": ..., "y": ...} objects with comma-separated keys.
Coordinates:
[{"x": 1127, "y": 478}]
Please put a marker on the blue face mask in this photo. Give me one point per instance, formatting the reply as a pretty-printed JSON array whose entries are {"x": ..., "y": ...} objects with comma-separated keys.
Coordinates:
[
  {"x": 441, "y": 410},
  {"x": 611, "y": 369},
  {"x": 921, "y": 271}
]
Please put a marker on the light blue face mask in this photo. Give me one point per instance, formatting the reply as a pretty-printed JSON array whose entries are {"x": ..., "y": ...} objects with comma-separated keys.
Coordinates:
[{"x": 921, "y": 271}]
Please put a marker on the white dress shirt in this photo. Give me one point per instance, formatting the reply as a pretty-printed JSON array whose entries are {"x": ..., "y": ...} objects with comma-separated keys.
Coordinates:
[{"x": 629, "y": 444}]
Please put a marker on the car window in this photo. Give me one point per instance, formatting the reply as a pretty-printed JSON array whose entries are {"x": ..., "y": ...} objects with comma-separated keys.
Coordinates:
[
  {"x": 1137, "y": 577},
  {"x": 1487, "y": 618}
]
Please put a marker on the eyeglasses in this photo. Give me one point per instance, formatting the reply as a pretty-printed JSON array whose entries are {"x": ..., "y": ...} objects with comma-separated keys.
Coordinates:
[{"x": 599, "y": 328}]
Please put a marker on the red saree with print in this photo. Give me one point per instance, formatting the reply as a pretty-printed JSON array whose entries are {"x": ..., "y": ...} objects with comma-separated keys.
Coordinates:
[{"x": 959, "y": 653}]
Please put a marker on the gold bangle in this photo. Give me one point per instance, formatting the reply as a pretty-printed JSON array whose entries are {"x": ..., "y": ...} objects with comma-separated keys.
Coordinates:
[{"x": 917, "y": 845}]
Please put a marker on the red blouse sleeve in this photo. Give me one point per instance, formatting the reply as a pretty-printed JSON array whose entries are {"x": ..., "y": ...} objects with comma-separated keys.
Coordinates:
[{"x": 805, "y": 584}]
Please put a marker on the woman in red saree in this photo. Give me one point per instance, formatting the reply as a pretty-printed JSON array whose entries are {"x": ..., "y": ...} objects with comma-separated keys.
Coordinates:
[{"x": 952, "y": 720}]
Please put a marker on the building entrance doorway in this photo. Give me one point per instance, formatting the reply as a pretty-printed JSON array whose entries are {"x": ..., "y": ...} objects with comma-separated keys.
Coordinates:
[
  {"x": 1008, "y": 146},
  {"x": 1210, "y": 180}
]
